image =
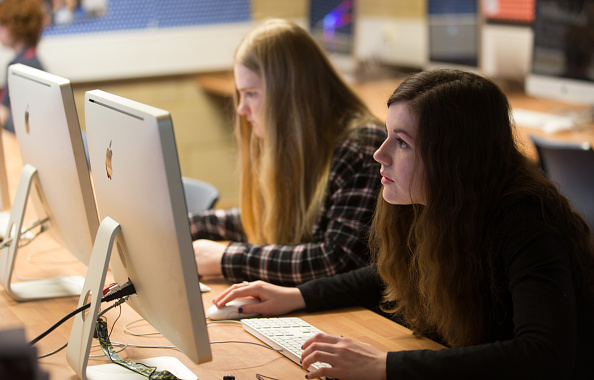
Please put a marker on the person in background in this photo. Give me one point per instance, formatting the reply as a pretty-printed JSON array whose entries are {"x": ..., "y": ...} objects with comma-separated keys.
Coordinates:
[
  {"x": 21, "y": 24},
  {"x": 472, "y": 247},
  {"x": 308, "y": 181}
]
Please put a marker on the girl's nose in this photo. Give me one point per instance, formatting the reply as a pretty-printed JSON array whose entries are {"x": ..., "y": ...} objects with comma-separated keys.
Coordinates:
[
  {"x": 379, "y": 155},
  {"x": 242, "y": 109}
]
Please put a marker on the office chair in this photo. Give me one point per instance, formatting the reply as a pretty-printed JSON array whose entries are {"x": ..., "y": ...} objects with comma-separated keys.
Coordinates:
[
  {"x": 199, "y": 195},
  {"x": 571, "y": 166}
]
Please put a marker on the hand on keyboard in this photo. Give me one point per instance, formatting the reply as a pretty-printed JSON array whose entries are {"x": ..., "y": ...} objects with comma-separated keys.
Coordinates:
[
  {"x": 285, "y": 334},
  {"x": 348, "y": 359},
  {"x": 295, "y": 337}
]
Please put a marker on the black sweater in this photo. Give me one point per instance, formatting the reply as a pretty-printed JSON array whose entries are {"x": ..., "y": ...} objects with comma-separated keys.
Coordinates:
[{"x": 547, "y": 328}]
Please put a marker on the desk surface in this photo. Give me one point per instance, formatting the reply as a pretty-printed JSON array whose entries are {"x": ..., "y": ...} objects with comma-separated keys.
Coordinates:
[
  {"x": 45, "y": 258},
  {"x": 242, "y": 360}
]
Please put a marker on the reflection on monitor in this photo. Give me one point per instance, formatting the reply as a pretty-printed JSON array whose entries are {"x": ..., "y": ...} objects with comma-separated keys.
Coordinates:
[
  {"x": 140, "y": 199},
  {"x": 454, "y": 33},
  {"x": 563, "y": 54},
  {"x": 332, "y": 24},
  {"x": 55, "y": 179}
]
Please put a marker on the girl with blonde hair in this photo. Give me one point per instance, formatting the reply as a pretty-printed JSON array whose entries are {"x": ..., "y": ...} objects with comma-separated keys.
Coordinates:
[{"x": 308, "y": 180}]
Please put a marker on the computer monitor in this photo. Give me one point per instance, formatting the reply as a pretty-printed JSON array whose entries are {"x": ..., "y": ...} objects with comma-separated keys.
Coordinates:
[
  {"x": 454, "y": 34},
  {"x": 139, "y": 192},
  {"x": 4, "y": 192},
  {"x": 55, "y": 179},
  {"x": 332, "y": 25},
  {"x": 563, "y": 54},
  {"x": 515, "y": 12},
  {"x": 506, "y": 39}
]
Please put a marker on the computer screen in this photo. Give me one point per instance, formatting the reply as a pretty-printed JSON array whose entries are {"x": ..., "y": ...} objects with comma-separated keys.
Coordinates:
[
  {"x": 454, "y": 34},
  {"x": 519, "y": 12},
  {"x": 52, "y": 151},
  {"x": 563, "y": 54},
  {"x": 506, "y": 39},
  {"x": 332, "y": 24},
  {"x": 138, "y": 184}
]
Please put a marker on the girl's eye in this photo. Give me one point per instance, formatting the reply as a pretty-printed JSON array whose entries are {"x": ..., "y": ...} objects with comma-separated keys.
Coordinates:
[{"x": 401, "y": 143}]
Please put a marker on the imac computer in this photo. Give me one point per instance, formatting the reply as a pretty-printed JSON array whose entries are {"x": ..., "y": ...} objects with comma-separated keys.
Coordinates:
[
  {"x": 332, "y": 25},
  {"x": 4, "y": 192},
  {"x": 55, "y": 179},
  {"x": 144, "y": 236},
  {"x": 454, "y": 34},
  {"x": 563, "y": 53},
  {"x": 506, "y": 40}
]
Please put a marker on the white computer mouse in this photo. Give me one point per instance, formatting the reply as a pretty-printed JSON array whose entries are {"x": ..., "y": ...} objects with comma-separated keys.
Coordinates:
[
  {"x": 229, "y": 311},
  {"x": 558, "y": 124}
]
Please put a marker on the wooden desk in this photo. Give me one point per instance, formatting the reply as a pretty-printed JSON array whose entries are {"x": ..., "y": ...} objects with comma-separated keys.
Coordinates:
[
  {"x": 242, "y": 360},
  {"x": 518, "y": 99},
  {"x": 376, "y": 93},
  {"x": 12, "y": 159},
  {"x": 45, "y": 258}
]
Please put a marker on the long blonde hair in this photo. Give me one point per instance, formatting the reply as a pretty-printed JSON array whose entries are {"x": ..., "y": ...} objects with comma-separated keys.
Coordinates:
[{"x": 308, "y": 109}]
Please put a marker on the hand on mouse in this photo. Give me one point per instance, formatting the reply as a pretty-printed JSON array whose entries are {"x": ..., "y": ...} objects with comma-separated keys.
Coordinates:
[{"x": 274, "y": 300}]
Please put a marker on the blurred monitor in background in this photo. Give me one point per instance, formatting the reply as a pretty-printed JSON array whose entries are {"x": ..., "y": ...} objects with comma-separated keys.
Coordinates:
[
  {"x": 332, "y": 24},
  {"x": 563, "y": 51},
  {"x": 454, "y": 34}
]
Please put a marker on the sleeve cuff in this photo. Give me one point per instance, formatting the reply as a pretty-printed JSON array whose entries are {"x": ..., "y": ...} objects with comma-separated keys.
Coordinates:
[{"x": 233, "y": 262}]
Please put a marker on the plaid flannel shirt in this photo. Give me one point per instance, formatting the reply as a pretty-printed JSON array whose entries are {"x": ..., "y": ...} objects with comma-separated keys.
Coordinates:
[{"x": 340, "y": 235}]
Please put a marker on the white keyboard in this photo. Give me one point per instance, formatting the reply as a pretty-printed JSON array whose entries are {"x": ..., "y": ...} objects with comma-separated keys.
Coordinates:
[
  {"x": 550, "y": 122},
  {"x": 286, "y": 334}
]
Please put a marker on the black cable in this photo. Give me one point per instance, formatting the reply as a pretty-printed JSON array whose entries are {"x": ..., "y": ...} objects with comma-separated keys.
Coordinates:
[
  {"x": 119, "y": 303},
  {"x": 126, "y": 290}
]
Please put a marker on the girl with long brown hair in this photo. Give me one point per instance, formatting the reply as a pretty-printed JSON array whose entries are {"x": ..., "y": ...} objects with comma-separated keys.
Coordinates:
[{"x": 472, "y": 247}]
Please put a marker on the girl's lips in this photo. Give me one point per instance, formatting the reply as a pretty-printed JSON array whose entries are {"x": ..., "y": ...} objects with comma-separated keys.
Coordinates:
[{"x": 386, "y": 180}]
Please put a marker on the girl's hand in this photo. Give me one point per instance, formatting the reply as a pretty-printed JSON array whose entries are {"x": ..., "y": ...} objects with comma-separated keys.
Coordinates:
[
  {"x": 274, "y": 300},
  {"x": 349, "y": 359}
]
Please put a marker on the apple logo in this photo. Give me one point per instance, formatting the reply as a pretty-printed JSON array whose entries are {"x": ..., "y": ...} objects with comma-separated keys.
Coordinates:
[
  {"x": 27, "y": 129},
  {"x": 108, "y": 155}
]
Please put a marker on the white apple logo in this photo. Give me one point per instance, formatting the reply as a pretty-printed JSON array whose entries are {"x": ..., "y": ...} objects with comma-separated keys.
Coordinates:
[
  {"x": 27, "y": 129},
  {"x": 108, "y": 155}
]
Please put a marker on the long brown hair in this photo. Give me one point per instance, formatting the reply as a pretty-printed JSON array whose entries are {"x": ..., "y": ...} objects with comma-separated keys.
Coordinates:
[
  {"x": 436, "y": 259},
  {"x": 308, "y": 110}
]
